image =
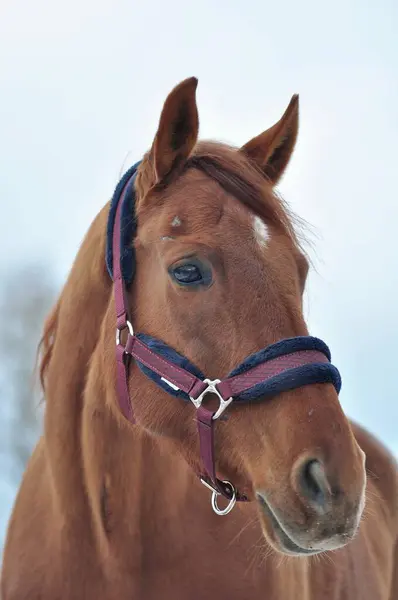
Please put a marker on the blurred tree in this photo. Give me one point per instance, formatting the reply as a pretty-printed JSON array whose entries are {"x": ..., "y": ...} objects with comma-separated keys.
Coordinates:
[{"x": 26, "y": 296}]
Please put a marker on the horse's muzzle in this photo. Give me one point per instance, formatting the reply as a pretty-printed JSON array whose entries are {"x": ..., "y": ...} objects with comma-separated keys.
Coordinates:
[{"x": 327, "y": 518}]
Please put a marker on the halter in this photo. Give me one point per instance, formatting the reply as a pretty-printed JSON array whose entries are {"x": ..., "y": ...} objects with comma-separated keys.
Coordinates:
[{"x": 290, "y": 363}]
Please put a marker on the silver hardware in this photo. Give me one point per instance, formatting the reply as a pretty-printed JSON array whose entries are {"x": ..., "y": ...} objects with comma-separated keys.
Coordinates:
[
  {"x": 215, "y": 494},
  {"x": 174, "y": 387},
  {"x": 212, "y": 389},
  {"x": 119, "y": 331}
]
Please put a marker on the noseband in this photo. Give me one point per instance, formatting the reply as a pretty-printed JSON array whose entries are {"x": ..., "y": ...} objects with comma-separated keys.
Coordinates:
[{"x": 288, "y": 364}]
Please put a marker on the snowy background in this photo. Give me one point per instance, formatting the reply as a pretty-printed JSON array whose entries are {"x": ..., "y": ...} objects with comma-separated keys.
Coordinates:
[{"x": 81, "y": 88}]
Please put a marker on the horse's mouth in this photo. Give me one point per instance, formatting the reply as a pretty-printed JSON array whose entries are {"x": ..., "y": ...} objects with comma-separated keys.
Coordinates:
[{"x": 285, "y": 542}]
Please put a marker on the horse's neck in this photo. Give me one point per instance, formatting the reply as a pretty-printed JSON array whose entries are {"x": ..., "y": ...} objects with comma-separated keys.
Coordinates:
[{"x": 83, "y": 302}]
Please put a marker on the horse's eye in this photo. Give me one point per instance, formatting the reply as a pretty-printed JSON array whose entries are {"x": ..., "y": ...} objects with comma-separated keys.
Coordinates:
[
  {"x": 187, "y": 274},
  {"x": 192, "y": 273}
]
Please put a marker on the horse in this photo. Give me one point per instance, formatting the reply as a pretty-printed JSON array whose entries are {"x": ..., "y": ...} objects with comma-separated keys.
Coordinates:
[{"x": 205, "y": 454}]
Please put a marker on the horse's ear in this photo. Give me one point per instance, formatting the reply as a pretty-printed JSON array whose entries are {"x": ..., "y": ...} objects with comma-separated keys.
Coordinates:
[
  {"x": 272, "y": 149},
  {"x": 178, "y": 129}
]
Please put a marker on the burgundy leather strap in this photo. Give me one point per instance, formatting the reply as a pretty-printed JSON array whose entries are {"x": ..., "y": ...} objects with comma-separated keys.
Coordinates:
[
  {"x": 121, "y": 318},
  {"x": 206, "y": 441}
]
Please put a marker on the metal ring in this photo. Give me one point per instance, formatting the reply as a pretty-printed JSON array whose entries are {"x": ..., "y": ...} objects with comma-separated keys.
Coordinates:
[
  {"x": 230, "y": 505},
  {"x": 128, "y": 326},
  {"x": 212, "y": 389}
]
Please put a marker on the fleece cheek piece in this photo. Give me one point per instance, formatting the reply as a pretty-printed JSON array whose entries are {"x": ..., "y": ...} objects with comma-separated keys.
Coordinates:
[{"x": 291, "y": 378}]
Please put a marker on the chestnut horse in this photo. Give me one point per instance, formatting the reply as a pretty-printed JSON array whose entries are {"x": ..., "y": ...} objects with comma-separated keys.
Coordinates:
[{"x": 111, "y": 506}]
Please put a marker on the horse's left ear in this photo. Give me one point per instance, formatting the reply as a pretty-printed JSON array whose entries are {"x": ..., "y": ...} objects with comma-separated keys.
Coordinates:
[
  {"x": 272, "y": 149},
  {"x": 178, "y": 129}
]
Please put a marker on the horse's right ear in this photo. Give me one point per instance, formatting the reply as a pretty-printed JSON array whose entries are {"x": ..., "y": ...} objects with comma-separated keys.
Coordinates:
[{"x": 178, "y": 130}]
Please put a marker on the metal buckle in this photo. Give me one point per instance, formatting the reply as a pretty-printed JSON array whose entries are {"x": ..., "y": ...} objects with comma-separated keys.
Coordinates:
[
  {"x": 212, "y": 389},
  {"x": 128, "y": 326},
  {"x": 216, "y": 493}
]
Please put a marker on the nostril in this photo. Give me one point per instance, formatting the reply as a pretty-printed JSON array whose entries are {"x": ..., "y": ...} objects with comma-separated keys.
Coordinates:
[{"x": 314, "y": 484}]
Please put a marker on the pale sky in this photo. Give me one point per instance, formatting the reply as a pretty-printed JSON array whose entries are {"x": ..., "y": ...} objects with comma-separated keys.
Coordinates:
[{"x": 81, "y": 88}]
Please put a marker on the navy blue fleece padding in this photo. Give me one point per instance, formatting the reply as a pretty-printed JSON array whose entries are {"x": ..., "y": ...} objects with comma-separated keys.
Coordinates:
[
  {"x": 128, "y": 226},
  {"x": 173, "y": 356},
  {"x": 287, "y": 380}
]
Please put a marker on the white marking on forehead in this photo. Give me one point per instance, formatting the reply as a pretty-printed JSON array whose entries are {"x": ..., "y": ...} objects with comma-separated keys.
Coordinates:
[
  {"x": 176, "y": 222},
  {"x": 260, "y": 231}
]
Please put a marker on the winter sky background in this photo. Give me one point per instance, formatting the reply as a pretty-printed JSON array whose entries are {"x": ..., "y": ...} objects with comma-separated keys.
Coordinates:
[{"x": 81, "y": 88}]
